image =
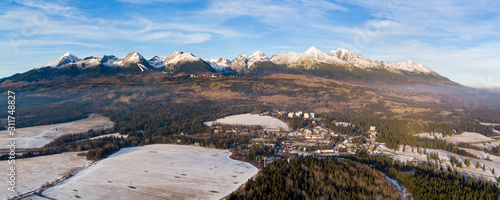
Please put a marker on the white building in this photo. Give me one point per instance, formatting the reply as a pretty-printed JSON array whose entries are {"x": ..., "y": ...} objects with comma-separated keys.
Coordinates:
[
  {"x": 311, "y": 115},
  {"x": 306, "y": 115},
  {"x": 290, "y": 115}
]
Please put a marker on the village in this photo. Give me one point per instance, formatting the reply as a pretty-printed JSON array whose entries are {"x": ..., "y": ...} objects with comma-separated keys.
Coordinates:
[
  {"x": 314, "y": 140},
  {"x": 268, "y": 138}
]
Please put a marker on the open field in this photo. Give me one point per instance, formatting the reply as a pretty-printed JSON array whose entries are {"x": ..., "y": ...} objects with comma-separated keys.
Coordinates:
[
  {"x": 466, "y": 137},
  {"x": 32, "y": 173},
  {"x": 474, "y": 139},
  {"x": 39, "y": 136},
  {"x": 444, "y": 156},
  {"x": 158, "y": 172},
  {"x": 267, "y": 122},
  {"x": 489, "y": 145}
]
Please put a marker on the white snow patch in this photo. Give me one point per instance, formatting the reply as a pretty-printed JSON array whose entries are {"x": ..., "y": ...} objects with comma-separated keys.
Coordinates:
[
  {"x": 32, "y": 173},
  {"x": 142, "y": 67},
  {"x": 312, "y": 53},
  {"x": 468, "y": 137},
  {"x": 430, "y": 135},
  {"x": 159, "y": 171},
  {"x": 39, "y": 136},
  {"x": 179, "y": 56},
  {"x": 267, "y": 122},
  {"x": 156, "y": 62},
  {"x": 444, "y": 156},
  {"x": 218, "y": 64},
  {"x": 67, "y": 58}
]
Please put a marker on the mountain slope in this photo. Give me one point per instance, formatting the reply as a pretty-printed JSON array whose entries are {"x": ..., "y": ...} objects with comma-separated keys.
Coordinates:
[
  {"x": 184, "y": 62},
  {"x": 340, "y": 64}
]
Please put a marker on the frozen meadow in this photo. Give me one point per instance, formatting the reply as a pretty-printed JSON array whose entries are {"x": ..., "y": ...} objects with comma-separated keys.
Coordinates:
[
  {"x": 39, "y": 136},
  {"x": 161, "y": 171},
  {"x": 267, "y": 122}
]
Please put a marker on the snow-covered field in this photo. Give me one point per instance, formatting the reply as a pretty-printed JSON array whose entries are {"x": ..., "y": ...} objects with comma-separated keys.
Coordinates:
[
  {"x": 39, "y": 136},
  {"x": 267, "y": 122},
  {"x": 32, "y": 173},
  {"x": 430, "y": 135},
  {"x": 468, "y": 137},
  {"x": 489, "y": 145},
  {"x": 159, "y": 171},
  {"x": 444, "y": 156}
]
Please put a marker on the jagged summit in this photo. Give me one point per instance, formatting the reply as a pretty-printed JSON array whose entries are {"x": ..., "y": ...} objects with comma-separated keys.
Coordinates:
[
  {"x": 308, "y": 60},
  {"x": 219, "y": 64},
  {"x": 156, "y": 62},
  {"x": 180, "y": 56},
  {"x": 63, "y": 60}
]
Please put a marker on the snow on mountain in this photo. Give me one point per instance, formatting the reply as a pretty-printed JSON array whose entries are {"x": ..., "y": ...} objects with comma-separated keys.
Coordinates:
[
  {"x": 355, "y": 59},
  {"x": 219, "y": 64},
  {"x": 366, "y": 63},
  {"x": 321, "y": 56},
  {"x": 132, "y": 60},
  {"x": 109, "y": 60},
  {"x": 345, "y": 57},
  {"x": 91, "y": 61},
  {"x": 411, "y": 66},
  {"x": 307, "y": 59},
  {"x": 67, "y": 58},
  {"x": 311, "y": 55},
  {"x": 180, "y": 57},
  {"x": 142, "y": 67},
  {"x": 257, "y": 56},
  {"x": 156, "y": 62},
  {"x": 243, "y": 62},
  {"x": 133, "y": 57}
]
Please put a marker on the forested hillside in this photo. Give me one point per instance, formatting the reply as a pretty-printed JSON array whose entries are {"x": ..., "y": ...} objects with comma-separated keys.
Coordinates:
[{"x": 313, "y": 178}]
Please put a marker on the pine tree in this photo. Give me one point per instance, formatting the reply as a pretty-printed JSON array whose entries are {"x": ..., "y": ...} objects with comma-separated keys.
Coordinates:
[{"x": 484, "y": 167}]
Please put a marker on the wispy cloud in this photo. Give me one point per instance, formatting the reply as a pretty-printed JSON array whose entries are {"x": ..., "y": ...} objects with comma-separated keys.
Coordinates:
[
  {"x": 154, "y": 1},
  {"x": 283, "y": 15},
  {"x": 448, "y": 36}
]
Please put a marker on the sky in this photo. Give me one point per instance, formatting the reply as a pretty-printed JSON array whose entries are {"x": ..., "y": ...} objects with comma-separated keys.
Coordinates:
[{"x": 458, "y": 39}]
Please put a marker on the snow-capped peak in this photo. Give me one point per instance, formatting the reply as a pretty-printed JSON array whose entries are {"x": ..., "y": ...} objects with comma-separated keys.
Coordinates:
[
  {"x": 179, "y": 56},
  {"x": 156, "y": 62},
  {"x": 411, "y": 66},
  {"x": 354, "y": 59},
  {"x": 67, "y": 58},
  {"x": 257, "y": 56},
  {"x": 312, "y": 51},
  {"x": 219, "y": 64},
  {"x": 133, "y": 57}
]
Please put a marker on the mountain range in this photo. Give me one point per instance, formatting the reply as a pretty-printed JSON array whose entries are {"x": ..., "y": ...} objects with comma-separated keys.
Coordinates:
[{"x": 339, "y": 64}]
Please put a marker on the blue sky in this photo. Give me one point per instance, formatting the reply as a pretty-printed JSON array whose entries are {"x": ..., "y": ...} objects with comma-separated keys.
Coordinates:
[{"x": 458, "y": 39}]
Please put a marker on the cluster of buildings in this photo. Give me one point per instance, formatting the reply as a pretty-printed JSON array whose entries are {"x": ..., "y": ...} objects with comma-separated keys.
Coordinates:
[
  {"x": 301, "y": 114},
  {"x": 313, "y": 134}
]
